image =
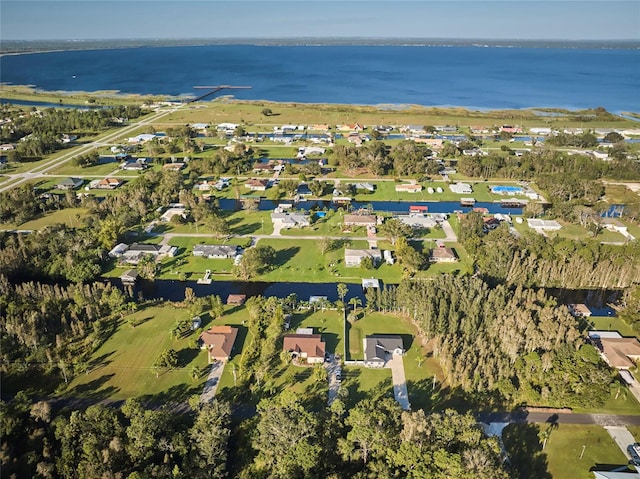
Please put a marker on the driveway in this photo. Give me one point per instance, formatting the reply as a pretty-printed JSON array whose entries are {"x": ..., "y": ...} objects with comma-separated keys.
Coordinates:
[
  {"x": 448, "y": 231},
  {"x": 622, "y": 438},
  {"x": 333, "y": 367},
  {"x": 399, "y": 381},
  {"x": 211, "y": 386}
]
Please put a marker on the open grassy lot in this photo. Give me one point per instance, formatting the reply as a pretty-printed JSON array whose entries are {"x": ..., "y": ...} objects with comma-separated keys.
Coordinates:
[
  {"x": 241, "y": 222},
  {"x": 604, "y": 323},
  {"x": 69, "y": 216},
  {"x": 301, "y": 260},
  {"x": 560, "y": 458},
  {"x": 328, "y": 322},
  {"x": 625, "y": 403},
  {"x": 635, "y": 432},
  {"x": 226, "y": 110},
  {"x": 578, "y": 232},
  {"x": 98, "y": 170},
  {"x": 122, "y": 366}
]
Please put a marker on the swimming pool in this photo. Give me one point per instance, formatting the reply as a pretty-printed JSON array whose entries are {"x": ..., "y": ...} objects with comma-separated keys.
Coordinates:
[{"x": 501, "y": 190}]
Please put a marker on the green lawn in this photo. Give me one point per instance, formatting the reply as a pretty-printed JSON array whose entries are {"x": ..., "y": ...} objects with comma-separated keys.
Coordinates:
[
  {"x": 122, "y": 366},
  {"x": 564, "y": 447},
  {"x": 69, "y": 216},
  {"x": 98, "y": 170},
  {"x": 578, "y": 232},
  {"x": 635, "y": 432},
  {"x": 560, "y": 458},
  {"x": 604, "y": 323}
]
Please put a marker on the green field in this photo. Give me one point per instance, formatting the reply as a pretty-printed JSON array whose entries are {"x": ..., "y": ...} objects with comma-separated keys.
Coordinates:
[
  {"x": 122, "y": 366},
  {"x": 68, "y": 216}
]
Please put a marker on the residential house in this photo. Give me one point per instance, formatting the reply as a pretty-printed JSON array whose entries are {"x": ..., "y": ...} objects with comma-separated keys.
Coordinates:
[
  {"x": 174, "y": 210},
  {"x": 305, "y": 151},
  {"x": 174, "y": 166},
  {"x": 129, "y": 277},
  {"x": 354, "y": 127},
  {"x": 368, "y": 283},
  {"x": 66, "y": 138},
  {"x": 70, "y": 184},
  {"x": 137, "y": 251},
  {"x": 379, "y": 348},
  {"x": 579, "y": 310},
  {"x": 510, "y": 129},
  {"x": 417, "y": 220},
  {"x": 256, "y": 184},
  {"x": 236, "y": 299},
  {"x": 435, "y": 143},
  {"x": 360, "y": 220},
  {"x": 613, "y": 224},
  {"x": 200, "y": 127},
  {"x": 545, "y": 131},
  {"x": 353, "y": 257},
  {"x": 105, "y": 184},
  {"x": 215, "y": 251},
  {"x": 491, "y": 223},
  {"x": 263, "y": 167},
  {"x": 131, "y": 165},
  {"x": 414, "y": 129},
  {"x": 365, "y": 186},
  {"x": 290, "y": 220},
  {"x": 446, "y": 129},
  {"x": 142, "y": 138},
  {"x": 543, "y": 225},
  {"x": 7, "y": 147},
  {"x": 479, "y": 130},
  {"x": 228, "y": 128},
  {"x": 118, "y": 250},
  {"x": 388, "y": 256},
  {"x": 442, "y": 254},
  {"x": 304, "y": 190},
  {"x": 308, "y": 347},
  {"x": 218, "y": 341},
  {"x": 617, "y": 351},
  {"x": 461, "y": 188},
  {"x": 320, "y": 127},
  {"x": 408, "y": 188}
]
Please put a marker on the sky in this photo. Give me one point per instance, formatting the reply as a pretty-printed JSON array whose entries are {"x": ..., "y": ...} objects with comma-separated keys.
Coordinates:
[{"x": 453, "y": 19}]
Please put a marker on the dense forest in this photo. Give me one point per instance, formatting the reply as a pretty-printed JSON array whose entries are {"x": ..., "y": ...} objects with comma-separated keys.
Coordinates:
[
  {"x": 285, "y": 439},
  {"x": 513, "y": 344}
]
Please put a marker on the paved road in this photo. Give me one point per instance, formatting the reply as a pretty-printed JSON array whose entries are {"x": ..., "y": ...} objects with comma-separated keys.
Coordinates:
[
  {"x": 333, "y": 367},
  {"x": 41, "y": 170},
  {"x": 560, "y": 418},
  {"x": 211, "y": 386}
]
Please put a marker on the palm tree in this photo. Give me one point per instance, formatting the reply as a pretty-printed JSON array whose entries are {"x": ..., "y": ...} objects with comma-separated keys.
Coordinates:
[{"x": 355, "y": 302}]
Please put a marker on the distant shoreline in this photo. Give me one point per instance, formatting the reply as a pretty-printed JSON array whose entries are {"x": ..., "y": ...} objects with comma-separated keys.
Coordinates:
[{"x": 23, "y": 47}]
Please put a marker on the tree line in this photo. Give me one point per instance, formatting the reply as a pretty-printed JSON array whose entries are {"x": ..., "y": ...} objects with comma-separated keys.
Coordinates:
[{"x": 285, "y": 439}]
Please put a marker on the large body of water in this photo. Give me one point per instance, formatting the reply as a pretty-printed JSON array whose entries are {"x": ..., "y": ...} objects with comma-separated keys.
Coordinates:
[{"x": 484, "y": 78}]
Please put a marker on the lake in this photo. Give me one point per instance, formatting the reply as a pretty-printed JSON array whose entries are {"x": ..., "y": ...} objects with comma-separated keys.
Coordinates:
[{"x": 480, "y": 78}]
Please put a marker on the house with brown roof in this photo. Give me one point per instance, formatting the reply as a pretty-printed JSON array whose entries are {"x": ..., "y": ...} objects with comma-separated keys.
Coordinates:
[
  {"x": 218, "y": 341},
  {"x": 442, "y": 254},
  {"x": 257, "y": 185},
  {"x": 360, "y": 220},
  {"x": 108, "y": 183},
  {"x": 579, "y": 310},
  {"x": 617, "y": 351},
  {"x": 408, "y": 188},
  {"x": 236, "y": 299},
  {"x": 174, "y": 166},
  {"x": 308, "y": 347}
]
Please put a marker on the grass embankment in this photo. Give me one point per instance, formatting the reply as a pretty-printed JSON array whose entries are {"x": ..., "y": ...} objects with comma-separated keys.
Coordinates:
[
  {"x": 96, "y": 98},
  {"x": 560, "y": 458}
]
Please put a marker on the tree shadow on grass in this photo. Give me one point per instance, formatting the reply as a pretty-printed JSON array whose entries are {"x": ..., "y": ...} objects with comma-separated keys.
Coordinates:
[
  {"x": 92, "y": 390},
  {"x": 99, "y": 362},
  {"x": 284, "y": 255},
  {"x": 528, "y": 460},
  {"x": 186, "y": 355}
]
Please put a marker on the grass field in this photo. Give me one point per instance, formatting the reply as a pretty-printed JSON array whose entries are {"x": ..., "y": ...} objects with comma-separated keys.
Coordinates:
[
  {"x": 122, "y": 366},
  {"x": 68, "y": 216},
  {"x": 560, "y": 458},
  {"x": 98, "y": 170},
  {"x": 635, "y": 432},
  {"x": 603, "y": 323}
]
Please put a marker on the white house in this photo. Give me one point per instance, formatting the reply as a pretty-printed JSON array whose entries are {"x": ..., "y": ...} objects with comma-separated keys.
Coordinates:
[
  {"x": 543, "y": 225},
  {"x": 461, "y": 188},
  {"x": 353, "y": 257}
]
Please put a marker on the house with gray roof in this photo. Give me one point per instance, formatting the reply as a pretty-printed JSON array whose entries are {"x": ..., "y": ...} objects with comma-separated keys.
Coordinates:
[
  {"x": 353, "y": 257},
  {"x": 215, "y": 251},
  {"x": 379, "y": 348},
  {"x": 290, "y": 220}
]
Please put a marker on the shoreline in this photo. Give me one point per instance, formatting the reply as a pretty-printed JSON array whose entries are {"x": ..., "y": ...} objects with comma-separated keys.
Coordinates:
[{"x": 30, "y": 94}]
